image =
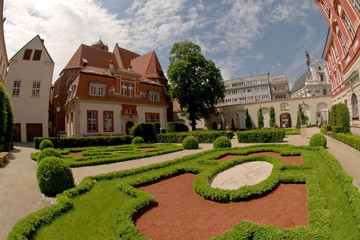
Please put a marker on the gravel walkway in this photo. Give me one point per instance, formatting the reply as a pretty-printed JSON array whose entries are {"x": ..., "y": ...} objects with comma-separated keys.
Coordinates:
[{"x": 20, "y": 194}]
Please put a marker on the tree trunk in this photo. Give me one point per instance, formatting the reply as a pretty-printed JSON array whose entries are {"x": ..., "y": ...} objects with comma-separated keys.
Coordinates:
[{"x": 193, "y": 124}]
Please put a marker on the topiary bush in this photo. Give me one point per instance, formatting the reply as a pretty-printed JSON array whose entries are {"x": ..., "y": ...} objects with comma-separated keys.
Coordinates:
[
  {"x": 54, "y": 176},
  {"x": 144, "y": 130},
  {"x": 47, "y": 152},
  {"x": 138, "y": 140},
  {"x": 46, "y": 143},
  {"x": 190, "y": 142},
  {"x": 222, "y": 142},
  {"x": 172, "y": 127},
  {"x": 318, "y": 140}
]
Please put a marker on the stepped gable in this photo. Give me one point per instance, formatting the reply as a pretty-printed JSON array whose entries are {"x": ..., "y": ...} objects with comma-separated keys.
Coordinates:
[
  {"x": 123, "y": 57},
  {"x": 91, "y": 56},
  {"x": 148, "y": 65}
]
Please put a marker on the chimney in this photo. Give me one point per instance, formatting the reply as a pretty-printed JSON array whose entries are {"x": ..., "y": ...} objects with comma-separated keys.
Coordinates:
[
  {"x": 111, "y": 67},
  {"x": 130, "y": 68}
]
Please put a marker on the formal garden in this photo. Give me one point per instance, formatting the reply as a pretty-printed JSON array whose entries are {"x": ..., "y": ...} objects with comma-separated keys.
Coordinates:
[{"x": 306, "y": 195}]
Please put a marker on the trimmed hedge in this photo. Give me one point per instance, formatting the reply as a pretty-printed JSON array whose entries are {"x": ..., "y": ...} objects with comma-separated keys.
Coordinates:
[
  {"x": 137, "y": 140},
  {"x": 172, "y": 127},
  {"x": 144, "y": 130},
  {"x": 46, "y": 143},
  {"x": 47, "y": 152},
  {"x": 318, "y": 140},
  {"x": 67, "y": 142},
  {"x": 222, "y": 142},
  {"x": 190, "y": 142},
  {"x": 156, "y": 126},
  {"x": 202, "y": 136},
  {"x": 351, "y": 140},
  {"x": 54, "y": 176},
  {"x": 261, "y": 136}
]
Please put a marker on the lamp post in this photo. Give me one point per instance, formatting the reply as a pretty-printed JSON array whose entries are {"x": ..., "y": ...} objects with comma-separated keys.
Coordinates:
[{"x": 58, "y": 108}]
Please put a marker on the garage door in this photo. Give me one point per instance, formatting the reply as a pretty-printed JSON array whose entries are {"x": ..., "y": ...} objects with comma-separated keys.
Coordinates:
[
  {"x": 33, "y": 130},
  {"x": 17, "y": 132}
]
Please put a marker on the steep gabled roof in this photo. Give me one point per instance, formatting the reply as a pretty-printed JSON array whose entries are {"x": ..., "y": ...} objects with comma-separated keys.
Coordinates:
[
  {"x": 123, "y": 56},
  {"x": 92, "y": 56},
  {"x": 148, "y": 65},
  {"x": 300, "y": 83},
  {"x": 36, "y": 38}
]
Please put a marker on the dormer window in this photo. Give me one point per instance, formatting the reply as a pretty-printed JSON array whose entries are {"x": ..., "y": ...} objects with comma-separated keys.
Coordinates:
[
  {"x": 97, "y": 89},
  {"x": 154, "y": 96}
]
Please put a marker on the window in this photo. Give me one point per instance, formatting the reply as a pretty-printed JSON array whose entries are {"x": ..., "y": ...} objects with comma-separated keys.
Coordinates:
[
  {"x": 131, "y": 90},
  {"x": 97, "y": 89},
  {"x": 37, "y": 55},
  {"x": 154, "y": 96},
  {"x": 152, "y": 117},
  {"x": 92, "y": 121},
  {"x": 355, "y": 106},
  {"x": 127, "y": 89},
  {"x": 321, "y": 77},
  {"x": 349, "y": 26},
  {"x": 356, "y": 4},
  {"x": 16, "y": 88},
  {"x": 123, "y": 89},
  {"x": 108, "y": 121},
  {"x": 27, "y": 54},
  {"x": 326, "y": 6},
  {"x": 343, "y": 42},
  {"x": 36, "y": 89}
]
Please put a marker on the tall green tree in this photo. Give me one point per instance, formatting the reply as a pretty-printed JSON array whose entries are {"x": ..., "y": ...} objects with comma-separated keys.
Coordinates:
[
  {"x": 6, "y": 119},
  {"x": 248, "y": 122},
  {"x": 272, "y": 121},
  {"x": 260, "y": 119},
  {"x": 195, "y": 82}
]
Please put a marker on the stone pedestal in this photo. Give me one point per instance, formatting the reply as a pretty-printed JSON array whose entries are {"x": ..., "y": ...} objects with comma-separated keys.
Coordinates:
[{"x": 303, "y": 131}]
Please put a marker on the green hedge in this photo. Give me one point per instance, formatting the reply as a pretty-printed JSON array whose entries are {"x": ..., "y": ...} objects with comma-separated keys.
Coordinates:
[
  {"x": 348, "y": 139},
  {"x": 261, "y": 136},
  {"x": 172, "y": 127},
  {"x": 202, "y": 136},
  {"x": 144, "y": 130},
  {"x": 67, "y": 142}
]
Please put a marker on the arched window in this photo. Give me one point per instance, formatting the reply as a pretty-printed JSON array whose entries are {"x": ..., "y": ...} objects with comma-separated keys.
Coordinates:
[{"x": 355, "y": 106}]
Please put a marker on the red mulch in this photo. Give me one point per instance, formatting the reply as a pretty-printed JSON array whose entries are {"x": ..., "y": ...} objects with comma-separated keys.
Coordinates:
[
  {"x": 180, "y": 213},
  {"x": 78, "y": 154},
  {"x": 146, "y": 149},
  {"x": 284, "y": 159}
]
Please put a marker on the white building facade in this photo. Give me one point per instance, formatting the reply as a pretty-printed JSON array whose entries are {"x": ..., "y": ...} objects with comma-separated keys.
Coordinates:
[{"x": 28, "y": 83}]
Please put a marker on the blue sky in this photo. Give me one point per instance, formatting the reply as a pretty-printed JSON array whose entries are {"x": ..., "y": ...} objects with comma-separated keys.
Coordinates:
[{"x": 242, "y": 37}]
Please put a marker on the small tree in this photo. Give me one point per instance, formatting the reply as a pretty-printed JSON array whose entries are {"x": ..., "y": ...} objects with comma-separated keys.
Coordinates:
[
  {"x": 341, "y": 117},
  {"x": 260, "y": 118},
  {"x": 302, "y": 118},
  {"x": 248, "y": 122},
  {"x": 233, "y": 127},
  {"x": 272, "y": 121}
]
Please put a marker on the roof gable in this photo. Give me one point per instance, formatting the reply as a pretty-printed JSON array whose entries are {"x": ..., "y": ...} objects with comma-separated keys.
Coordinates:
[
  {"x": 148, "y": 65},
  {"x": 123, "y": 56}
]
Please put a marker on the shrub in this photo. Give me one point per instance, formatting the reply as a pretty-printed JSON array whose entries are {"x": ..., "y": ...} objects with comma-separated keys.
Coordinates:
[
  {"x": 342, "y": 117},
  {"x": 46, "y": 143},
  {"x": 144, "y": 130},
  {"x": 351, "y": 140},
  {"x": 138, "y": 140},
  {"x": 156, "y": 126},
  {"x": 190, "y": 142},
  {"x": 176, "y": 127},
  {"x": 260, "y": 118},
  {"x": 248, "y": 121},
  {"x": 47, "y": 152},
  {"x": 272, "y": 121},
  {"x": 318, "y": 140},
  {"x": 202, "y": 136},
  {"x": 222, "y": 142},
  {"x": 54, "y": 176},
  {"x": 261, "y": 136}
]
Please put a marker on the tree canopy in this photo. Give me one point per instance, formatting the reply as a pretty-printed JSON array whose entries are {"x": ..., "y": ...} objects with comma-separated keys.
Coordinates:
[{"x": 195, "y": 82}]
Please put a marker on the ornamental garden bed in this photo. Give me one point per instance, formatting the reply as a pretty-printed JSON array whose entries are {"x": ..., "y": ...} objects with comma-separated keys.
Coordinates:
[{"x": 111, "y": 206}]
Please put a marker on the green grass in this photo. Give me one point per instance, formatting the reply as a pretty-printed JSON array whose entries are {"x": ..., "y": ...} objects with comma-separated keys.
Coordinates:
[
  {"x": 104, "y": 210},
  {"x": 292, "y": 131}
]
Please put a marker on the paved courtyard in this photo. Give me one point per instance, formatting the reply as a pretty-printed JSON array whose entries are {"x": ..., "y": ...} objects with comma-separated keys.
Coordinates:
[{"x": 20, "y": 194}]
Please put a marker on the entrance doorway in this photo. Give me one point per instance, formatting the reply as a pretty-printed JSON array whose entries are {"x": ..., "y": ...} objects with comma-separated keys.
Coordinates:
[
  {"x": 33, "y": 130},
  {"x": 285, "y": 120},
  {"x": 128, "y": 126}
]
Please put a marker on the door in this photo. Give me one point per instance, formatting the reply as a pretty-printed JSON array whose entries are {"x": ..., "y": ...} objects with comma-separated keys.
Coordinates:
[
  {"x": 33, "y": 130},
  {"x": 128, "y": 126}
]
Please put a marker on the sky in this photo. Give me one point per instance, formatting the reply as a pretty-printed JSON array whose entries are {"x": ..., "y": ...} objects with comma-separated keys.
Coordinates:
[{"x": 243, "y": 37}]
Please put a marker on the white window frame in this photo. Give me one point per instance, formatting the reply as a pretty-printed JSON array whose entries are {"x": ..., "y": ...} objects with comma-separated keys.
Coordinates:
[
  {"x": 16, "y": 88},
  {"x": 36, "y": 89},
  {"x": 154, "y": 96}
]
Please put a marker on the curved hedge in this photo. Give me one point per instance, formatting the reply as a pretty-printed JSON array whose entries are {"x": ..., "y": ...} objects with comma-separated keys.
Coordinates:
[
  {"x": 202, "y": 136},
  {"x": 261, "y": 136},
  {"x": 46, "y": 143},
  {"x": 172, "y": 127},
  {"x": 47, "y": 152},
  {"x": 190, "y": 142},
  {"x": 137, "y": 140},
  {"x": 318, "y": 140},
  {"x": 222, "y": 142}
]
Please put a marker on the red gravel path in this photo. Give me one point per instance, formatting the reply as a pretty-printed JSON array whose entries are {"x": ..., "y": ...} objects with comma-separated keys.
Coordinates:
[
  {"x": 180, "y": 213},
  {"x": 284, "y": 159}
]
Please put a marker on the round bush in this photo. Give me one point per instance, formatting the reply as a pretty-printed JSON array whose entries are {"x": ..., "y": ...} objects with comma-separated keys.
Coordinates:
[
  {"x": 54, "y": 176},
  {"x": 47, "y": 152},
  {"x": 138, "y": 140},
  {"x": 46, "y": 143},
  {"x": 190, "y": 142},
  {"x": 222, "y": 142},
  {"x": 318, "y": 140}
]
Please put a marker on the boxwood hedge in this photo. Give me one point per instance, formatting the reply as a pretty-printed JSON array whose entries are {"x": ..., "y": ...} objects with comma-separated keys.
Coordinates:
[{"x": 261, "y": 136}]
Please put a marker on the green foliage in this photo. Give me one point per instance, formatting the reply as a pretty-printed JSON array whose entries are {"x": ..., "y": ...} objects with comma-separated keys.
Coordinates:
[
  {"x": 195, "y": 82},
  {"x": 342, "y": 117},
  {"x": 248, "y": 122},
  {"x": 233, "y": 127},
  {"x": 260, "y": 118},
  {"x": 156, "y": 126},
  {"x": 318, "y": 140},
  {"x": 172, "y": 127},
  {"x": 68, "y": 142},
  {"x": 144, "y": 130},
  {"x": 54, "y": 176},
  {"x": 292, "y": 131},
  {"x": 46, "y": 143},
  {"x": 302, "y": 118},
  {"x": 272, "y": 121},
  {"x": 6, "y": 119},
  {"x": 47, "y": 152},
  {"x": 190, "y": 142},
  {"x": 261, "y": 136},
  {"x": 222, "y": 142},
  {"x": 351, "y": 140},
  {"x": 202, "y": 136},
  {"x": 138, "y": 140}
]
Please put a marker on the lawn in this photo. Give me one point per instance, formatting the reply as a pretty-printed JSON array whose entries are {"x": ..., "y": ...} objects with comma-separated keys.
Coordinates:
[{"x": 103, "y": 207}]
